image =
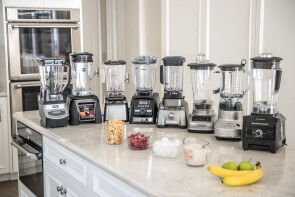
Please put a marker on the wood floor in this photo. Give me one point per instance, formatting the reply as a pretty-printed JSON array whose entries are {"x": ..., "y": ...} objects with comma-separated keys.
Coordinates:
[{"x": 8, "y": 189}]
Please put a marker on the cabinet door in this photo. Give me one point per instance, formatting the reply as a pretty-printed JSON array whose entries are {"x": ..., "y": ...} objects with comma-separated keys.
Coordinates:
[
  {"x": 24, "y": 3},
  {"x": 4, "y": 145},
  {"x": 56, "y": 185},
  {"x": 23, "y": 191},
  {"x": 62, "y": 4}
]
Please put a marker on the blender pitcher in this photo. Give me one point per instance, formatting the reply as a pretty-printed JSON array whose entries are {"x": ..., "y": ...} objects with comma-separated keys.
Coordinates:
[
  {"x": 231, "y": 94},
  {"x": 144, "y": 70}
]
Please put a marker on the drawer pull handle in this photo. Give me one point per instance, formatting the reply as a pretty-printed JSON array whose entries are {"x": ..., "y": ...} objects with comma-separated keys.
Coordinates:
[
  {"x": 61, "y": 190},
  {"x": 62, "y": 161}
]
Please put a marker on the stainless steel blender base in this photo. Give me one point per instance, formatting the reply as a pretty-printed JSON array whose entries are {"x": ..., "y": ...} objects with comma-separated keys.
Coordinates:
[
  {"x": 201, "y": 126},
  {"x": 172, "y": 117},
  {"x": 229, "y": 125},
  {"x": 116, "y": 111}
]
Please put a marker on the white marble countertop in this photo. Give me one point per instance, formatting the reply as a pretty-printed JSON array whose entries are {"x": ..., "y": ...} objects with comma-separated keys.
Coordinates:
[{"x": 171, "y": 177}]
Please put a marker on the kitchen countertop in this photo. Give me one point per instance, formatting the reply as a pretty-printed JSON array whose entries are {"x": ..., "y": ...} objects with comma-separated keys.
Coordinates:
[
  {"x": 3, "y": 94},
  {"x": 171, "y": 177}
]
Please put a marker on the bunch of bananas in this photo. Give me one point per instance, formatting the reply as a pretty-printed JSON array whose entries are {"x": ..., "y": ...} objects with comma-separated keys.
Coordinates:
[{"x": 235, "y": 178}]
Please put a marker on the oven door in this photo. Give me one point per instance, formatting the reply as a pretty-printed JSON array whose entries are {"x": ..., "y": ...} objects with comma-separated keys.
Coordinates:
[
  {"x": 28, "y": 41},
  {"x": 30, "y": 163}
]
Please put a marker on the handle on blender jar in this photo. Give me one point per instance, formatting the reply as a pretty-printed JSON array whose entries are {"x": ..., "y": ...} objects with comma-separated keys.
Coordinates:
[
  {"x": 68, "y": 76},
  {"x": 278, "y": 80},
  {"x": 162, "y": 74},
  {"x": 250, "y": 81},
  {"x": 217, "y": 90}
]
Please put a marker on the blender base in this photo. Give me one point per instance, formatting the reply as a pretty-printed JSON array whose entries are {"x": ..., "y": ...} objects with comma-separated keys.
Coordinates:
[
  {"x": 172, "y": 116},
  {"x": 198, "y": 123},
  {"x": 229, "y": 125},
  {"x": 116, "y": 109},
  {"x": 53, "y": 117},
  {"x": 84, "y": 109}
]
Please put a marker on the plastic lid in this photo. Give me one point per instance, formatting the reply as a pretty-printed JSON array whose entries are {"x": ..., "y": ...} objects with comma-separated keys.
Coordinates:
[
  {"x": 81, "y": 57},
  {"x": 173, "y": 61},
  {"x": 50, "y": 61},
  {"x": 144, "y": 60},
  {"x": 233, "y": 67},
  {"x": 266, "y": 61},
  {"x": 115, "y": 62}
]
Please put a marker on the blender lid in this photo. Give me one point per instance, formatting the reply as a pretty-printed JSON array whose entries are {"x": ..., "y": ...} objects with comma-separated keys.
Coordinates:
[
  {"x": 144, "y": 60},
  {"x": 50, "y": 61},
  {"x": 233, "y": 67},
  {"x": 173, "y": 61},
  {"x": 114, "y": 63},
  {"x": 266, "y": 61},
  {"x": 81, "y": 57},
  {"x": 202, "y": 66}
]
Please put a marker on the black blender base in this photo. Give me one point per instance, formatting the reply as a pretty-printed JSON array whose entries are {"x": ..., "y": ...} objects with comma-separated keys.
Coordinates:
[
  {"x": 228, "y": 139},
  {"x": 201, "y": 131},
  {"x": 270, "y": 146},
  {"x": 171, "y": 126},
  {"x": 54, "y": 123}
]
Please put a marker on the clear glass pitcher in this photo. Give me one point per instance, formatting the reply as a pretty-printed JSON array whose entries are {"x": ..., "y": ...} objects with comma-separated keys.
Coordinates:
[
  {"x": 81, "y": 69},
  {"x": 51, "y": 72},
  {"x": 144, "y": 70},
  {"x": 232, "y": 93},
  {"x": 114, "y": 77},
  {"x": 172, "y": 76},
  {"x": 202, "y": 73},
  {"x": 266, "y": 74}
]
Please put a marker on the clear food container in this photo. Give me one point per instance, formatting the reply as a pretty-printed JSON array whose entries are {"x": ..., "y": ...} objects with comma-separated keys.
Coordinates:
[
  {"x": 167, "y": 147},
  {"x": 138, "y": 141},
  {"x": 114, "y": 131}
]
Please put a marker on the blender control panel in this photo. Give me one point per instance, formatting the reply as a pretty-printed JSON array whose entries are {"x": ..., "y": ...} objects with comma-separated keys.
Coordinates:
[
  {"x": 86, "y": 111},
  {"x": 228, "y": 125},
  {"x": 201, "y": 118},
  {"x": 143, "y": 107}
]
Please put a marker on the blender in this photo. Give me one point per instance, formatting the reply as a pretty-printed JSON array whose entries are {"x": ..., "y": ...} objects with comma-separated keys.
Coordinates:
[
  {"x": 144, "y": 104},
  {"x": 202, "y": 119},
  {"x": 173, "y": 109},
  {"x": 83, "y": 105},
  {"x": 230, "y": 114},
  {"x": 52, "y": 105},
  {"x": 116, "y": 105},
  {"x": 264, "y": 129}
]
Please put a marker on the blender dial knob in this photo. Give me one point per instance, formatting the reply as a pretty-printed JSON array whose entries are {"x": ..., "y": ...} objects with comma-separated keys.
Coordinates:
[
  {"x": 259, "y": 132},
  {"x": 171, "y": 116},
  {"x": 142, "y": 110}
]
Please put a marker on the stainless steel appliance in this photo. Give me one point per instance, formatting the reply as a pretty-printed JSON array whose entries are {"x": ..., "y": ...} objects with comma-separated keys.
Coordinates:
[
  {"x": 30, "y": 158},
  {"x": 116, "y": 105},
  {"x": 173, "y": 110},
  {"x": 52, "y": 105},
  {"x": 230, "y": 114},
  {"x": 144, "y": 104},
  {"x": 83, "y": 105},
  {"x": 265, "y": 128},
  {"x": 36, "y": 33},
  {"x": 202, "y": 119}
]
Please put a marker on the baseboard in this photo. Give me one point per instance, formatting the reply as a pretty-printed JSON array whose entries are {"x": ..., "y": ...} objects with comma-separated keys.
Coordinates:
[{"x": 8, "y": 176}]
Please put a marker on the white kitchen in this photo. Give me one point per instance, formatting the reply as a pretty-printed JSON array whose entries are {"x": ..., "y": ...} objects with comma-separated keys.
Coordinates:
[{"x": 147, "y": 98}]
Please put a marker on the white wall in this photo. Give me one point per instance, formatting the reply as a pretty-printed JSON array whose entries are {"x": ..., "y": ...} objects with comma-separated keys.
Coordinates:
[{"x": 3, "y": 81}]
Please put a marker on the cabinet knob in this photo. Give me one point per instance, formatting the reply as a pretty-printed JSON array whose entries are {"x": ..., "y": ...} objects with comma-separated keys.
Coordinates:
[
  {"x": 62, "y": 161},
  {"x": 61, "y": 190}
]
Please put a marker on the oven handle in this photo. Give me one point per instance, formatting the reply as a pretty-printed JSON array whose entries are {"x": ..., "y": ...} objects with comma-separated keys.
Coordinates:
[
  {"x": 14, "y": 26},
  {"x": 27, "y": 153},
  {"x": 18, "y": 86}
]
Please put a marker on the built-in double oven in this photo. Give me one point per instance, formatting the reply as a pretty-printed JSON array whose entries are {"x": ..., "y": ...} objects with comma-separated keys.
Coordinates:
[{"x": 36, "y": 33}]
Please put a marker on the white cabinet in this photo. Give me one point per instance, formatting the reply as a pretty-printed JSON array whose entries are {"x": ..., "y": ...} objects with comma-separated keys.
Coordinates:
[
  {"x": 43, "y": 3},
  {"x": 4, "y": 137},
  {"x": 23, "y": 191},
  {"x": 80, "y": 177}
]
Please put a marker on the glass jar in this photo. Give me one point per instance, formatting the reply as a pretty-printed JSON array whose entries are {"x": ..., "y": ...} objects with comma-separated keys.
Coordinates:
[
  {"x": 138, "y": 141},
  {"x": 114, "y": 131},
  {"x": 195, "y": 151}
]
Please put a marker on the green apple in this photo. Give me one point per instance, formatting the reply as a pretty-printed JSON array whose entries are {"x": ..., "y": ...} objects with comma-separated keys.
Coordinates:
[
  {"x": 230, "y": 165},
  {"x": 245, "y": 165}
]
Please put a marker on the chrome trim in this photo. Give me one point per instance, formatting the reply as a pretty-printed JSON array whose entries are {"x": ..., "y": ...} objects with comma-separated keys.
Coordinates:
[
  {"x": 17, "y": 86},
  {"x": 27, "y": 153},
  {"x": 42, "y": 25}
]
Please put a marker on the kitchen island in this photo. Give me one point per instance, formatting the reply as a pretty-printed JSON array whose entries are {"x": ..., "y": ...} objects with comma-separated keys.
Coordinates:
[{"x": 144, "y": 174}]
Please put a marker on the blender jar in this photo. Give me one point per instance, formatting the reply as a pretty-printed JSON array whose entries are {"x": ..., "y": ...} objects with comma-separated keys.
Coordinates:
[
  {"x": 231, "y": 94},
  {"x": 202, "y": 76},
  {"x": 172, "y": 76},
  {"x": 51, "y": 77},
  {"x": 144, "y": 70},
  {"x": 114, "y": 77},
  {"x": 267, "y": 74},
  {"x": 81, "y": 69}
]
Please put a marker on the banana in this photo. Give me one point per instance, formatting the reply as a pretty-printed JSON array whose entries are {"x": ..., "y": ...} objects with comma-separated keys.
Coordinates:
[
  {"x": 222, "y": 173},
  {"x": 244, "y": 179}
]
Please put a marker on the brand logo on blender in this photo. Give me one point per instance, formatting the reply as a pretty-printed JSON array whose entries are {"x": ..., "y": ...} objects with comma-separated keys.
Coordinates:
[{"x": 83, "y": 69}]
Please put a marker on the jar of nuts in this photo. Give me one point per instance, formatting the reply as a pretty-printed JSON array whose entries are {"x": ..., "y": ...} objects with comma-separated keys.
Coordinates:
[{"x": 115, "y": 131}]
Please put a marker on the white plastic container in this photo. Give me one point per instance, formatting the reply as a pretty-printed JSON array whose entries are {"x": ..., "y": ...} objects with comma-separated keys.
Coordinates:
[{"x": 166, "y": 147}]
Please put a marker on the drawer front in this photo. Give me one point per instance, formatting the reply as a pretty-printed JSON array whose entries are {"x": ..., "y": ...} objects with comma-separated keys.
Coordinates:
[
  {"x": 56, "y": 183},
  {"x": 65, "y": 160}
]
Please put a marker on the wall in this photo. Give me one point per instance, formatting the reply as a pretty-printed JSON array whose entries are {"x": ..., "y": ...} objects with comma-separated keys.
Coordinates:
[{"x": 3, "y": 81}]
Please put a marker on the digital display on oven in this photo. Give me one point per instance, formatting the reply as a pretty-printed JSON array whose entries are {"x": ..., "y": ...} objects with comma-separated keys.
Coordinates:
[{"x": 43, "y": 14}]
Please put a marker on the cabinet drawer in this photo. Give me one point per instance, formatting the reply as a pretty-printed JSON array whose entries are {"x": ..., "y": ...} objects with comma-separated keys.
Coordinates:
[
  {"x": 65, "y": 160},
  {"x": 56, "y": 183}
]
